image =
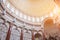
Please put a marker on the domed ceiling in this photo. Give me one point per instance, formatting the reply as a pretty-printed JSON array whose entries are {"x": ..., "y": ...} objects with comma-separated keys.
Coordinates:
[{"x": 36, "y": 8}]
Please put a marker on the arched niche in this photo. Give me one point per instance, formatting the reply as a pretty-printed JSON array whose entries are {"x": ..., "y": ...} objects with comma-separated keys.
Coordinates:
[
  {"x": 38, "y": 36},
  {"x": 49, "y": 26},
  {"x": 48, "y": 21}
]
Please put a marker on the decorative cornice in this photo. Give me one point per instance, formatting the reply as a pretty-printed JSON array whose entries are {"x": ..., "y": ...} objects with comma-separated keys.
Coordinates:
[{"x": 26, "y": 18}]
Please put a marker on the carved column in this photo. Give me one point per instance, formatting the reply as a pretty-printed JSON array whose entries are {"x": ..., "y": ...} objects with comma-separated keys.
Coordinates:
[
  {"x": 43, "y": 36},
  {"x": 9, "y": 32},
  {"x": 21, "y": 36},
  {"x": 33, "y": 35}
]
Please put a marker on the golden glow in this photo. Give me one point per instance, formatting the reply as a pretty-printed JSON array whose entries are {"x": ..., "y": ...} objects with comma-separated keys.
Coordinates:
[
  {"x": 34, "y": 7},
  {"x": 57, "y": 2},
  {"x": 48, "y": 22},
  {"x": 59, "y": 10}
]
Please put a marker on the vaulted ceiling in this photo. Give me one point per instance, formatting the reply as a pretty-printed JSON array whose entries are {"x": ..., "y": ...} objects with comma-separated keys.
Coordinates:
[{"x": 34, "y": 7}]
